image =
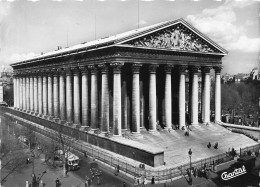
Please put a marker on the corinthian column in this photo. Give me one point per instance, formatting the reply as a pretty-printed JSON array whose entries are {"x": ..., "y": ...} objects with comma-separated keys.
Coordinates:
[
  {"x": 152, "y": 97},
  {"x": 44, "y": 94},
  {"x": 194, "y": 95},
  {"x": 35, "y": 94},
  {"x": 206, "y": 71},
  {"x": 62, "y": 97},
  {"x": 84, "y": 91},
  {"x": 31, "y": 93},
  {"x": 117, "y": 98},
  {"x": 104, "y": 99},
  {"x": 217, "y": 94},
  {"x": 168, "y": 96},
  {"x": 76, "y": 95},
  {"x": 14, "y": 86},
  {"x": 50, "y": 96},
  {"x": 27, "y": 91},
  {"x": 182, "y": 121},
  {"x": 24, "y": 92},
  {"x": 40, "y": 94},
  {"x": 94, "y": 98},
  {"x": 136, "y": 99},
  {"x": 56, "y": 94},
  {"x": 69, "y": 95},
  {"x": 20, "y": 90}
]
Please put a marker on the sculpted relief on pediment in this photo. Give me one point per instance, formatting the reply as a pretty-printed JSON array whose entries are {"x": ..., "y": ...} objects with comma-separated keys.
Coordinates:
[{"x": 177, "y": 38}]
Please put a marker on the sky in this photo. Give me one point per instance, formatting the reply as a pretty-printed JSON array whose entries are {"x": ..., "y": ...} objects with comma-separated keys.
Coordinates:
[{"x": 29, "y": 27}]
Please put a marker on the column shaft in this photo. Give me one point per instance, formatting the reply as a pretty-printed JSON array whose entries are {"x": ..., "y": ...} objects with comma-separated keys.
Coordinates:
[
  {"x": 136, "y": 99},
  {"x": 56, "y": 95},
  {"x": 76, "y": 96},
  {"x": 94, "y": 98},
  {"x": 50, "y": 95},
  {"x": 152, "y": 98},
  {"x": 168, "y": 97},
  {"x": 207, "y": 95},
  {"x": 40, "y": 95},
  {"x": 35, "y": 92},
  {"x": 69, "y": 95},
  {"x": 194, "y": 97},
  {"x": 62, "y": 96},
  {"x": 85, "y": 110},
  {"x": 21, "y": 93},
  {"x": 117, "y": 99},
  {"x": 217, "y": 95},
  {"x": 31, "y": 94},
  {"x": 44, "y": 94},
  {"x": 182, "y": 121},
  {"x": 27, "y": 93},
  {"x": 24, "y": 96},
  {"x": 17, "y": 92},
  {"x": 14, "y": 90},
  {"x": 104, "y": 100}
]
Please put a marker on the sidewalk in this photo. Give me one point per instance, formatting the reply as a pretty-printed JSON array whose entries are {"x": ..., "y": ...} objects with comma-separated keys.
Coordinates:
[{"x": 19, "y": 178}]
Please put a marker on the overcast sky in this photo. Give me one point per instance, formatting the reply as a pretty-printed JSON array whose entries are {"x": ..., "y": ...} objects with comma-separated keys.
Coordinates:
[{"x": 28, "y": 28}]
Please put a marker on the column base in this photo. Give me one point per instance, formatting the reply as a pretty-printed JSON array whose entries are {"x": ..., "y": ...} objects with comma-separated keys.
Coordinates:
[
  {"x": 69, "y": 124},
  {"x": 195, "y": 124},
  {"x": 117, "y": 135},
  {"x": 62, "y": 122},
  {"x": 39, "y": 115},
  {"x": 32, "y": 112},
  {"x": 206, "y": 123},
  {"x": 50, "y": 118},
  {"x": 84, "y": 128},
  {"x": 137, "y": 135},
  {"x": 76, "y": 125},
  {"x": 154, "y": 132},
  {"x": 56, "y": 120},
  {"x": 45, "y": 116},
  {"x": 28, "y": 111}
]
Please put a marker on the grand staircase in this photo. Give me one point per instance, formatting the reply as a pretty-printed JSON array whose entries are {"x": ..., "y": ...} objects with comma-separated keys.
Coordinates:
[{"x": 176, "y": 145}]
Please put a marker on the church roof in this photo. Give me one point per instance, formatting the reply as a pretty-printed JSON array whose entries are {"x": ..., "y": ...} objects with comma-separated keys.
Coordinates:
[{"x": 137, "y": 38}]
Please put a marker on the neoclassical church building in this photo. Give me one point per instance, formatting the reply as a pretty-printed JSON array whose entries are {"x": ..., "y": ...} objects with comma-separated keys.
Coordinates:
[{"x": 134, "y": 80}]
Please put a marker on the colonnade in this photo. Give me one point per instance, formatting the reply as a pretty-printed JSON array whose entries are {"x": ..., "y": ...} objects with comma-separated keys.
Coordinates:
[{"x": 72, "y": 95}]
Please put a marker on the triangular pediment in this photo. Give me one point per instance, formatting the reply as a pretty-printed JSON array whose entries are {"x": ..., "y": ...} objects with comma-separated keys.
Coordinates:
[{"x": 179, "y": 36}]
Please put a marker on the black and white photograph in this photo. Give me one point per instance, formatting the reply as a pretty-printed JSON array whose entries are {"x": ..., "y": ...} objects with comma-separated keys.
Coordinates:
[{"x": 124, "y": 93}]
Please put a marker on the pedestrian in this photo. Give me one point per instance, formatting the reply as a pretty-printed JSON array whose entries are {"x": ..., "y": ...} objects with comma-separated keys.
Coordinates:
[
  {"x": 66, "y": 167},
  {"x": 145, "y": 181},
  {"x": 153, "y": 181},
  {"x": 135, "y": 183},
  {"x": 98, "y": 180},
  {"x": 58, "y": 183},
  {"x": 209, "y": 145},
  {"x": 124, "y": 184},
  {"x": 41, "y": 184},
  {"x": 86, "y": 183}
]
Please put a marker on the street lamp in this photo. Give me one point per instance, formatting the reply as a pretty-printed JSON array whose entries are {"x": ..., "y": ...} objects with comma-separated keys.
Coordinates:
[{"x": 190, "y": 180}]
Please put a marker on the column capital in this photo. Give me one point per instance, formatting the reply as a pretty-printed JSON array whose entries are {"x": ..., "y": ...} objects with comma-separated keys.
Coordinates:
[
  {"x": 217, "y": 69},
  {"x": 68, "y": 71},
  {"x": 206, "y": 69},
  {"x": 194, "y": 69},
  {"x": 116, "y": 67},
  {"x": 182, "y": 68},
  {"x": 104, "y": 68},
  {"x": 93, "y": 69},
  {"x": 75, "y": 70},
  {"x": 168, "y": 68},
  {"x": 136, "y": 67},
  {"x": 55, "y": 72},
  {"x": 61, "y": 71},
  {"x": 83, "y": 69},
  {"x": 152, "y": 68}
]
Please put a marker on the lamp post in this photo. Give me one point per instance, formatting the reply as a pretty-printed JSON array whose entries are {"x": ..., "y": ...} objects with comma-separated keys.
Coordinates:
[{"x": 190, "y": 180}]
